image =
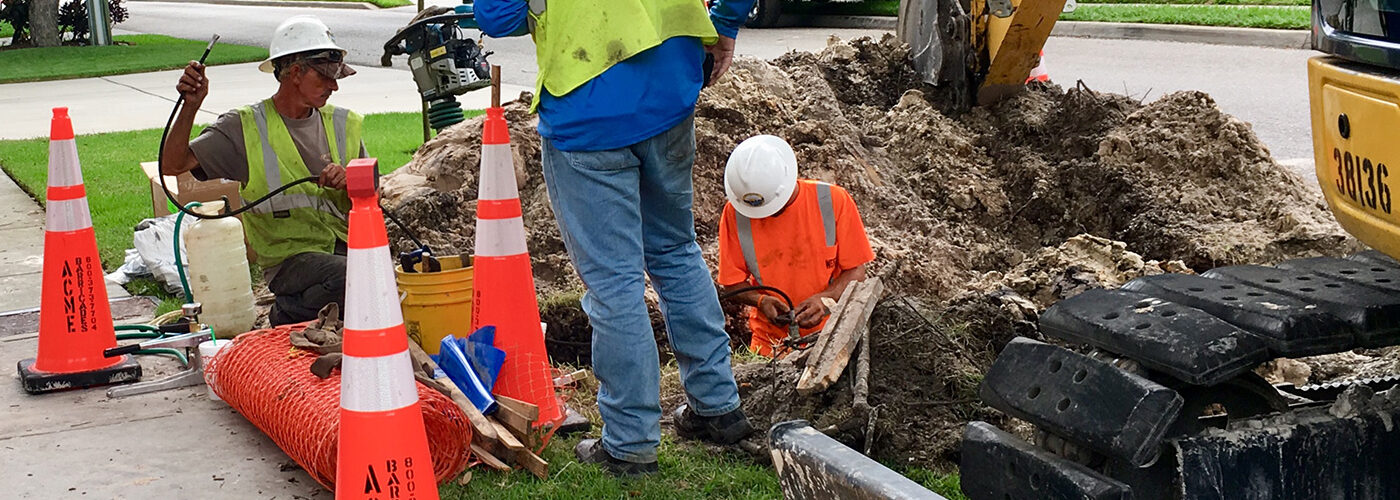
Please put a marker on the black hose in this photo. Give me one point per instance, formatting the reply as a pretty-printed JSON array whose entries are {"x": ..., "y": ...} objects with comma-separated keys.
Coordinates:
[
  {"x": 160, "y": 162},
  {"x": 735, "y": 292}
]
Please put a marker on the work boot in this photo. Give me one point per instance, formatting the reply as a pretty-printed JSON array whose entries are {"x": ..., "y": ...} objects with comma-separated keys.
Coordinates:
[
  {"x": 590, "y": 451},
  {"x": 724, "y": 429}
]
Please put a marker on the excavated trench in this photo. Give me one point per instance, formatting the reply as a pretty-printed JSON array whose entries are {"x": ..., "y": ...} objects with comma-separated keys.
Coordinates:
[{"x": 988, "y": 217}]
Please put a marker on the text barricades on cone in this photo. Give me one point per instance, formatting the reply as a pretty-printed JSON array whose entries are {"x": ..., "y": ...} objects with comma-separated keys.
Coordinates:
[
  {"x": 75, "y": 320},
  {"x": 383, "y": 450},
  {"x": 503, "y": 293}
]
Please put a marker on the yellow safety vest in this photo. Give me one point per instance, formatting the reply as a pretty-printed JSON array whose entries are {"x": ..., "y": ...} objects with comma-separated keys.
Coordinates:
[
  {"x": 590, "y": 37},
  {"x": 306, "y": 217}
]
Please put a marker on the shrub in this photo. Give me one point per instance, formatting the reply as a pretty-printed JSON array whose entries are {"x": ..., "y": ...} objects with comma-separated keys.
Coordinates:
[{"x": 72, "y": 17}]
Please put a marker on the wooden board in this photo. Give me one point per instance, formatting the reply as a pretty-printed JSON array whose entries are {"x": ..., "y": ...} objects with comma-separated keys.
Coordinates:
[
  {"x": 533, "y": 463},
  {"x": 845, "y": 331},
  {"x": 515, "y": 422},
  {"x": 487, "y": 458},
  {"x": 527, "y": 410}
]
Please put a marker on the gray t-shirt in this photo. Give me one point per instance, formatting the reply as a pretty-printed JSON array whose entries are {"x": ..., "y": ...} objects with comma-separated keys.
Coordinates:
[{"x": 222, "y": 153}]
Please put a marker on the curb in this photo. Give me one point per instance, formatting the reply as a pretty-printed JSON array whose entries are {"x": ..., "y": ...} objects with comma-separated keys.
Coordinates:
[
  {"x": 280, "y": 3},
  {"x": 1256, "y": 37}
]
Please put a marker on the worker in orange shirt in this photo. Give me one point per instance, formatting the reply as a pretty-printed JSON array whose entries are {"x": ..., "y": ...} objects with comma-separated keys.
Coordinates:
[{"x": 801, "y": 236}]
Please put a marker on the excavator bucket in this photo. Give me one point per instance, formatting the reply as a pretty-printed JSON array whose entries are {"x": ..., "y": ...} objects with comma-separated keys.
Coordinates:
[{"x": 813, "y": 466}]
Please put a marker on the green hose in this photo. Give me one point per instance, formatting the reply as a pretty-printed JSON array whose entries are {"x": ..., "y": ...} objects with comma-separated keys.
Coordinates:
[{"x": 180, "y": 266}]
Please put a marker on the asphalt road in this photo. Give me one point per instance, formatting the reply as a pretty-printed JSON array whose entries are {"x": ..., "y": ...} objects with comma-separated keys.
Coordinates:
[{"x": 1266, "y": 87}]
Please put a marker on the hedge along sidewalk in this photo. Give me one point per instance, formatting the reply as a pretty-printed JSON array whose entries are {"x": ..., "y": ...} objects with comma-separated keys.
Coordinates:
[
  {"x": 118, "y": 192},
  {"x": 145, "y": 53}
]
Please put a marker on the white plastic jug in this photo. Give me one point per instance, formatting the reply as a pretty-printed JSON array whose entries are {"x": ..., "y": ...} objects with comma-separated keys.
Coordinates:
[{"x": 218, "y": 272}]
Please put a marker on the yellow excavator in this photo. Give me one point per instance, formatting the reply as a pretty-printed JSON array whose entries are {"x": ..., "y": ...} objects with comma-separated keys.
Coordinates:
[{"x": 1148, "y": 391}]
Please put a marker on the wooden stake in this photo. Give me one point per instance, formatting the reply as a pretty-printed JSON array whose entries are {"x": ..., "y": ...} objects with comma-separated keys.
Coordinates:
[
  {"x": 529, "y": 411},
  {"x": 508, "y": 439},
  {"x": 490, "y": 460},
  {"x": 512, "y": 420},
  {"x": 495, "y": 86},
  {"x": 482, "y": 429},
  {"x": 823, "y": 371},
  {"x": 533, "y": 463}
]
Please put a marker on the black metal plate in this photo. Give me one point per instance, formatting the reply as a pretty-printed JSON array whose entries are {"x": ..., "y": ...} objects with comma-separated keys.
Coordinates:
[
  {"x": 1290, "y": 327},
  {"x": 1085, "y": 400},
  {"x": 1374, "y": 315},
  {"x": 1186, "y": 343},
  {"x": 996, "y": 465},
  {"x": 1378, "y": 276}
]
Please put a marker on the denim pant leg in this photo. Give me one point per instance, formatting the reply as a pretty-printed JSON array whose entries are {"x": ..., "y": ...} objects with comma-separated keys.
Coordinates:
[
  {"x": 689, "y": 303},
  {"x": 597, "y": 206}
]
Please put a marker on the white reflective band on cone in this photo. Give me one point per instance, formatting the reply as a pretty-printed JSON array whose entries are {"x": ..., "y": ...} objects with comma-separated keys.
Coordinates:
[
  {"x": 64, "y": 152},
  {"x": 67, "y": 215},
  {"x": 497, "y": 183},
  {"x": 381, "y": 383},
  {"x": 499, "y": 237},
  {"x": 370, "y": 294}
]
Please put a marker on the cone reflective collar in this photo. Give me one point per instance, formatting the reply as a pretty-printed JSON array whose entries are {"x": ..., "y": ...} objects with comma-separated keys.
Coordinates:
[
  {"x": 503, "y": 289},
  {"x": 383, "y": 448},
  {"x": 75, "y": 320}
]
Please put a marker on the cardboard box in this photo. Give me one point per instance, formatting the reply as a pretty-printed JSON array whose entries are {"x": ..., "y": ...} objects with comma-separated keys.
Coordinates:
[{"x": 187, "y": 189}]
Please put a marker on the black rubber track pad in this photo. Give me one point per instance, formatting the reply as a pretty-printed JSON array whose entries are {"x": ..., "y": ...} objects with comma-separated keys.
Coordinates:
[
  {"x": 1290, "y": 327},
  {"x": 1085, "y": 400},
  {"x": 1373, "y": 314},
  {"x": 1182, "y": 342},
  {"x": 996, "y": 465},
  {"x": 1378, "y": 276}
]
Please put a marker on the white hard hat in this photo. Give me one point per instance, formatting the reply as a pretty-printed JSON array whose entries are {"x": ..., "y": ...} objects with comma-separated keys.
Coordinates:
[
  {"x": 299, "y": 34},
  {"x": 761, "y": 176}
]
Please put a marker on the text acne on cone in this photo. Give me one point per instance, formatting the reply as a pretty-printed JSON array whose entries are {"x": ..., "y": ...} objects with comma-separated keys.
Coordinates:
[
  {"x": 75, "y": 320},
  {"x": 503, "y": 286},
  {"x": 383, "y": 448}
]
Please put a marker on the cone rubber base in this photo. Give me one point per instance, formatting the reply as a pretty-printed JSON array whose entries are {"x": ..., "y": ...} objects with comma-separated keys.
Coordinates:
[{"x": 39, "y": 382}]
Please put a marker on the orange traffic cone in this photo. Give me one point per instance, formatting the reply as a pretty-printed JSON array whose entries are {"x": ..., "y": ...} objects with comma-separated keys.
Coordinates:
[
  {"x": 75, "y": 320},
  {"x": 1039, "y": 73},
  {"x": 503, "y": 288},
  {"x": 383, "y": 449}
]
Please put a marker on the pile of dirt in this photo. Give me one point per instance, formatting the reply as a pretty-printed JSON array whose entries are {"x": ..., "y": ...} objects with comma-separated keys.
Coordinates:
[{"x": 983, "y": 212}]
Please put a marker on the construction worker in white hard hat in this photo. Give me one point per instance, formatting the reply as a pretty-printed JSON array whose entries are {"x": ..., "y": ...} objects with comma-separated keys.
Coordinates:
[
  {"x": 801, "y": 236},
  {"x": 299, "y": 235}
]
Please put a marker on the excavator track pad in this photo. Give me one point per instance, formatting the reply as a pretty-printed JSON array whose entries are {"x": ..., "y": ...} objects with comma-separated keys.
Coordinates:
[{"x": 1154, "y": 396}]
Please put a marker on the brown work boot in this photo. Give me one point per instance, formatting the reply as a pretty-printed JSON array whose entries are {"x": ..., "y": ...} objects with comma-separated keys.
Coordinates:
[{"x": 725, "y": 429}]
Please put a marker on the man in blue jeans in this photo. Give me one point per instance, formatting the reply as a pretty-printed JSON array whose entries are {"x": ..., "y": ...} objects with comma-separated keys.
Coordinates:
[{"x": 618, "y": 81}]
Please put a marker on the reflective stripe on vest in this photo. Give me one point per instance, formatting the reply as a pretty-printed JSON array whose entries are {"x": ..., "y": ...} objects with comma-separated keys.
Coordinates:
[
  {"x": 744, "y": 229},
  {"x": 305, "y": 217},
  {"x": 590, "y": 37}
]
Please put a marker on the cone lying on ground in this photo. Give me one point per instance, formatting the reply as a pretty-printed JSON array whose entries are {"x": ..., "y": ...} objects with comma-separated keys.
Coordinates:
[
  {"x": 383, "y": 448},
  {"x": 75, "y": 320},
  {"x": 503, "y": 290}
]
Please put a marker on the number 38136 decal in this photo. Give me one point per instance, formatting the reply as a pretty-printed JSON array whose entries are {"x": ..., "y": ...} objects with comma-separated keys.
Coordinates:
[{"x": 1362, "y": 180}]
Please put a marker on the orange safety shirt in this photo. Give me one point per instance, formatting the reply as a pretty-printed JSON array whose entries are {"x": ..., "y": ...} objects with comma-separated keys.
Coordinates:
[{"x": 792, "y": 253}]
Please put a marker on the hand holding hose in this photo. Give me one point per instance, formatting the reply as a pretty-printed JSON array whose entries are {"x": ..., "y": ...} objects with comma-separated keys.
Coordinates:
[
  {"x": 332, "y": 176},
  {"x": 194, "y": 86},
  {"x": 774, "y": 309}
]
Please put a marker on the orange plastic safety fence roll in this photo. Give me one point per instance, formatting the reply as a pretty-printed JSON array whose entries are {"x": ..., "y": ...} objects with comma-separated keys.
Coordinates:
[{"x": 270, "y": 383}]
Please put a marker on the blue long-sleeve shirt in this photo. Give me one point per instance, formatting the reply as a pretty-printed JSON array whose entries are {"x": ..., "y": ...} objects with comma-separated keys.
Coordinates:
[{"x": 634, "y": 99}]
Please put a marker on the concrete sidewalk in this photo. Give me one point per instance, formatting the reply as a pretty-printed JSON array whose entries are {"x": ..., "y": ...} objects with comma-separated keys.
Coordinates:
[
  {"x": 143, "y": 100},
  {"x": 170, "y": 444}
]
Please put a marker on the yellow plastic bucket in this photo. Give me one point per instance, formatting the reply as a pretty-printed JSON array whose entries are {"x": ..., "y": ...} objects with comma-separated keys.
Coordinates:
[{"x": 436, "y": 304}]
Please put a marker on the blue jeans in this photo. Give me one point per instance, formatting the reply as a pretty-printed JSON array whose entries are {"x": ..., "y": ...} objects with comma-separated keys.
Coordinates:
[{"x": 625, "y": 214}]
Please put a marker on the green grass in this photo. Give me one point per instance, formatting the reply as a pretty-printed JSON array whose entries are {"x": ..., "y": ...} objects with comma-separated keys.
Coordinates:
[
  {"x": 146, "y": 53},
  {"x": 687, "y": 471},
  {"x": 865, "y": 8},
  {"x": 383, "y": 4},
  {"x": 1205, "y": 2},
  {"x": 6, "y": 30},
  {"x": 118, "y": 192},
  {"x": 1200, "y": 15}
]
